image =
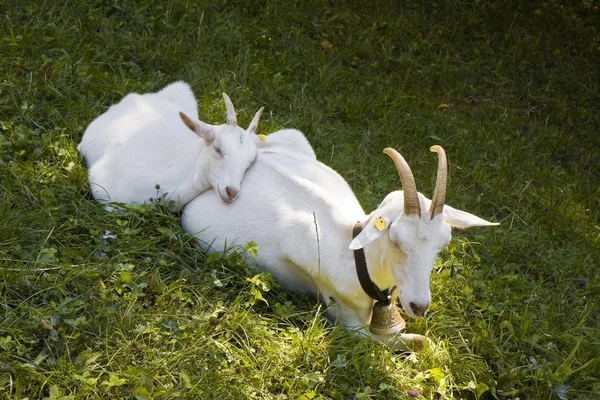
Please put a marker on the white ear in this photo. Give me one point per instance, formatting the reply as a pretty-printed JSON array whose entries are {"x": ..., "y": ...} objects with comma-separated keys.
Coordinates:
[
  {"x": 461, "y": 219},
  {"x": 368, "y": 234},
  {"x": 202, "y": 129},
  {"x": 378, "y": 223}
]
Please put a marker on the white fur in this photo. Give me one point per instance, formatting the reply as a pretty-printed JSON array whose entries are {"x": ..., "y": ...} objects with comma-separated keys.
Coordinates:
[
  {"x": 287, "y": 140},
  {"x": 122, "y": 120},
  {"x": 142, "y": 142},
  {"x": 281, "y": 192}
]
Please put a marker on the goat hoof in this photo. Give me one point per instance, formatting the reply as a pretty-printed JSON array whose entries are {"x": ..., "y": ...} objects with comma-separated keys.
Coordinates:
[
  {"x": 409, "y": 342},
  {"x": 421, "y": 343}
]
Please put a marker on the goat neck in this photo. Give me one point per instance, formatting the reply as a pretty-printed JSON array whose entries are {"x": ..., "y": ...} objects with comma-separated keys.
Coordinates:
[
  {"x": 201, "y": 182},
  {"x": 379, "y": 264}
]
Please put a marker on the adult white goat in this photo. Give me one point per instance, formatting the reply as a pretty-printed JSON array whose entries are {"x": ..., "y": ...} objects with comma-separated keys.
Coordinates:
[
  {"x": 284, "y": 193},
  {"x": 146, "y": 140}
]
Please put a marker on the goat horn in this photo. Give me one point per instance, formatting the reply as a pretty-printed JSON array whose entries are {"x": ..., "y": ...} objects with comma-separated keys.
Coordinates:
[
  {"x": 254, "y": 124},
  {"x": 231, "y": 117},
  {"x": 439, "y": 193},
  {"x": 411, "y": 199}
]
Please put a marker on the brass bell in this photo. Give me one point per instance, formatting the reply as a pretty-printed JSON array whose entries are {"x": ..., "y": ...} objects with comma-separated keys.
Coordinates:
[{"x": 385, "y": 318}]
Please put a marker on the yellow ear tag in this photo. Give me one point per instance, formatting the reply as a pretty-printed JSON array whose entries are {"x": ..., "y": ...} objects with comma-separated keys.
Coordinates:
[
  {"x": 379, "y": 224},
  {"x": 262, "y": 137}
]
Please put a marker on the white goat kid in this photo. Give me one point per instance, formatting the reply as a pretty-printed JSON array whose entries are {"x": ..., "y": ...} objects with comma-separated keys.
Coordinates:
[
  {"x": 148, "y": 142},
  {"x": 401, "y": 238}
]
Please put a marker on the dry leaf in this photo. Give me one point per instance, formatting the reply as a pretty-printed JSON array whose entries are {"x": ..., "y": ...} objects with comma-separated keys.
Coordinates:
[
  {"x": 46, "y": 69},
  {"x": 547, "y": 100},
  {"x": 22, "y": 69},
  {"x": 326, "y": 44}
]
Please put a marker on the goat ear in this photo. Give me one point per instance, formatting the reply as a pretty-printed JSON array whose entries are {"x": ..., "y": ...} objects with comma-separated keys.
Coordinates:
[
  {"x": 379, "y": 221},
  {"x": 376, "y": 226},
  {"x": 462, "y": 219},
  {"x": 202, "y": 129},
  {"x": 261, "y": 142}
]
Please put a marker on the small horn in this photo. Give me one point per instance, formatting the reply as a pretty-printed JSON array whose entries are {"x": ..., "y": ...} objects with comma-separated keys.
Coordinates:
[
  {"x": 439, "y": 193},
  {"x": 254, "y": 124},
  {"x": 231, "y": 117},
  {"x": 411, "y": 199}
]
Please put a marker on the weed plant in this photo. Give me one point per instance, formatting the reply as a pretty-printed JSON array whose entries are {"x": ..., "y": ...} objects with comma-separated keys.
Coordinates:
[{"x": 125, "y": 305}]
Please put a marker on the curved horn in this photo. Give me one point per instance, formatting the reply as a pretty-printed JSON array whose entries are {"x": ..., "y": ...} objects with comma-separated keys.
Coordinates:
[
  {"x": 439, "y": 193},
  {"x": 231, "y": 117},
  {"x": 254, "y": 124},
  {"x": 411, "y": 199}
]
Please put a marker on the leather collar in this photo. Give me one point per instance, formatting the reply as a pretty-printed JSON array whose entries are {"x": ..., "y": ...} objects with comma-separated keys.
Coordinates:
[{"x": 364, "y": 278}]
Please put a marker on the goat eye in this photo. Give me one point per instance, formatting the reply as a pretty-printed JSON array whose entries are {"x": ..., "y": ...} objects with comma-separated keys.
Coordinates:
[{"x": 218, "y": 151}]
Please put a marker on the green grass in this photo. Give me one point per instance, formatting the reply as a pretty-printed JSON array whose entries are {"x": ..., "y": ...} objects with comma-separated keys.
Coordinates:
[{"x": 511, "y": 90}]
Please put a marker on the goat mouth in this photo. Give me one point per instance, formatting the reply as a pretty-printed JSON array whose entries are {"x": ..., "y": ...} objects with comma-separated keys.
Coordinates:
[
  {"x": 227, "y": 199},
  {"x": 406, "y": 310}
]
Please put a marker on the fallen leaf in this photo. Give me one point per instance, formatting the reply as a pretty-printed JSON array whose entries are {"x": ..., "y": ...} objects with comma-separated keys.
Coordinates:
[
  {"x": 326, "y": 44},
  {"x": 46, "y": 69},
  {"x": 22, "y": 70}
]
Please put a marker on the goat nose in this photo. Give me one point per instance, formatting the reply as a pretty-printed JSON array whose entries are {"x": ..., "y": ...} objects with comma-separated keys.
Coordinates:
[
  {"x": 418, "y": 309},
  {"x": 231, "y": 193}
]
